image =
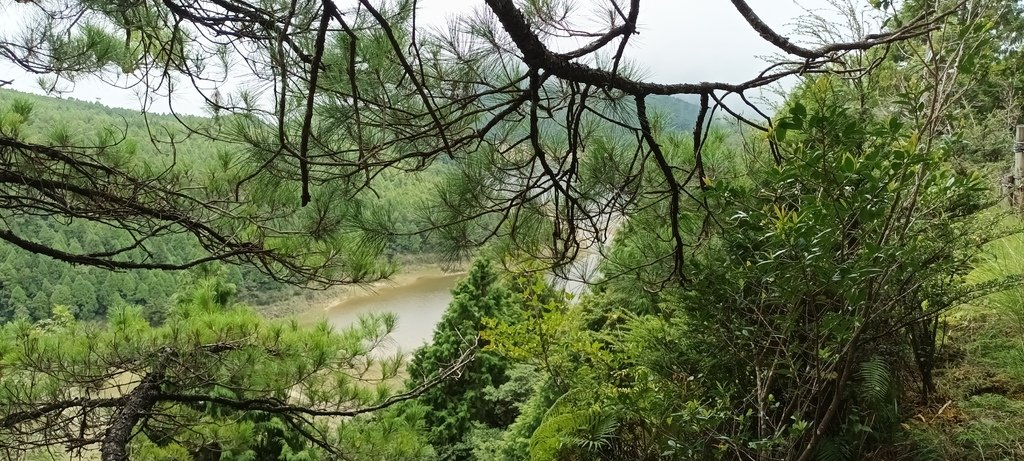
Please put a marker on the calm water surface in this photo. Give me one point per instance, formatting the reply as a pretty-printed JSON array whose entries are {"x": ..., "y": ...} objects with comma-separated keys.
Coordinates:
[
  {"x": 420, "y": 300},
  {"x": 418, "y": 303}
]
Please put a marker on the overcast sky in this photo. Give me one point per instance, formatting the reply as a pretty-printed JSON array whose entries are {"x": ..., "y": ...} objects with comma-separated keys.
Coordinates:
[{"x": 678, "y": 41}]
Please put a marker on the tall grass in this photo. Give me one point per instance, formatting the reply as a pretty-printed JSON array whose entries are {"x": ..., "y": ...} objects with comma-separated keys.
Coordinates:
[
  {"x": 1004, "y": 258},
  {"x": 984, "y": 381}
]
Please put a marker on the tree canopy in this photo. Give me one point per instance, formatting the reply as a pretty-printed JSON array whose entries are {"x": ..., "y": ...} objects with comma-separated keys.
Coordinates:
[
  {"x": 215, "y": 378},
  {"x": 774, "y": 292},
  {"x": 335, "y": 94}
]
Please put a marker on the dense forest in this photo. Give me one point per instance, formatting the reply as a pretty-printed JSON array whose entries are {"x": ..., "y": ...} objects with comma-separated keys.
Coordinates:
[{"x": 838, "y": 278}]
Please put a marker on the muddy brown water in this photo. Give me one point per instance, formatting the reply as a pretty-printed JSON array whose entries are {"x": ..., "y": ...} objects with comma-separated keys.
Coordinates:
[{"x": 418, "y": 299}]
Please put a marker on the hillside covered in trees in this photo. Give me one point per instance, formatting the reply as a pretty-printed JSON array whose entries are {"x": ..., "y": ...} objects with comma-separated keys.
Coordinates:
[
  {"x": 839, "y": 279},
  {"x": 35, "y": 283}
]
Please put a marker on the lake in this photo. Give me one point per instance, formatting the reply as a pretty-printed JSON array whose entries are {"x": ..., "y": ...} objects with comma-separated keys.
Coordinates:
[{"x": 419, "y": 299}]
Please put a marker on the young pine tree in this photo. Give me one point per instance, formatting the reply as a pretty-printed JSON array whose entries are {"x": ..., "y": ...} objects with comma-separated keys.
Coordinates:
[{"x": 457, "y": 405}]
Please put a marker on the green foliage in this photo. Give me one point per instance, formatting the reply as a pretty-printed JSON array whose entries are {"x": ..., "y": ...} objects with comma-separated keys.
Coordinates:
[
  {"x": 582, "y": 434},
  {"x": 979, "y": 92},
  {"x": 231, "y": 384},
  {"x": 589, "y": 402},
  {"x": 392, "y": 435},
  {"x": 153, "y": 142},
  {"x": 1003, "y": 259},
  {"x": 533, "y": 395},
  {"x": 457, "y": 405},
  {"x": 983, "y": 378},
  {"x": 861, "y": 228},
  {"x": 875, "y": 380},
  {"x": 93, "y": 291},
  {"x": 989, "y": 431},
  {"x": 802, "y": 315},
  {"x": 827, "y": 270}
]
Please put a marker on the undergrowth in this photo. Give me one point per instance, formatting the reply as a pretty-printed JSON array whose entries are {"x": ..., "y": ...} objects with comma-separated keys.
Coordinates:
[{"x": 979, "y": 414}]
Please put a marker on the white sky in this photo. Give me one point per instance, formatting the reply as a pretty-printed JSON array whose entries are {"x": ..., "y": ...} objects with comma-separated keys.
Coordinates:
[{"x": 678, "y": 41}]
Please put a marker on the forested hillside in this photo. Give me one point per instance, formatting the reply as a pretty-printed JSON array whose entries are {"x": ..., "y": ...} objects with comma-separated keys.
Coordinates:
[
  {"x": 839, "y": 279},
  {"x": 34, "y": 283}
]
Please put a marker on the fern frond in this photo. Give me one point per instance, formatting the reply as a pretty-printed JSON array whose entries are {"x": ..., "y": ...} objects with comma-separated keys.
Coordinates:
[
  {"x": 596, "y": 432},
  {"x": 834, "y": 449},
  {"x": 875, "y": 379},
  {"x": 589, "y": 431}
]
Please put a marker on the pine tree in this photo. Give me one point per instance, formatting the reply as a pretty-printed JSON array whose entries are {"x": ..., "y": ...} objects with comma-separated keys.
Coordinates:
[
  {"x": 216, "y": 380},
  {"x": 39, "y": 306},
  {"x": 62, "y": 296},
  {"x": 141, "y": 294},
  {"x": 85, "y": 298},
  {"x": 457, "y": 405},
  {"x": 17, "y": 304},
  {"x": 511, "y": 117}
]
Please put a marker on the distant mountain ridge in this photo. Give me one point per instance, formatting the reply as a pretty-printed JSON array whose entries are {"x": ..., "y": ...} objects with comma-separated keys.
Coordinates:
[
  {"x": 50, "y": 104},
  {"x": 682, "y": 114}
]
